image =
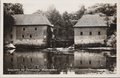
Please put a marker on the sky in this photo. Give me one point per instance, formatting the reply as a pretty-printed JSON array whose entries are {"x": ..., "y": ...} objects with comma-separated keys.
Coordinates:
[{"x": 31, "y": 6}]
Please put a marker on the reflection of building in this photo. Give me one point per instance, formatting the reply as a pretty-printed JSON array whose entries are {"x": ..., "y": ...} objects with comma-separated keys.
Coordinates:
[
  {"x": 40, "y": 62},
  {"x": 31, "y": 29},
  {"x": 89, "y": 60},
  {"x": 90, "y": 29},
  {"x": 31, "y": 60}
]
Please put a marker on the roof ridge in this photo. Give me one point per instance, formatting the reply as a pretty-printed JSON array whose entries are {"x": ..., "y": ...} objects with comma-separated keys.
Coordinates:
[
  {"x": 90, "y": 20},
  {"x": 31, "y": 19}
]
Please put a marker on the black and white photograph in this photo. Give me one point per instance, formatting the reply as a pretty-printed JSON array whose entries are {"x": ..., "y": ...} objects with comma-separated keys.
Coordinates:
[{"x": 59, "y": 37}]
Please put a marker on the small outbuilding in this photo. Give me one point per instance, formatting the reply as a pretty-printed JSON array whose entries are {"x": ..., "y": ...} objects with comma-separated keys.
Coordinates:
[{"x": 90, "y": 29}]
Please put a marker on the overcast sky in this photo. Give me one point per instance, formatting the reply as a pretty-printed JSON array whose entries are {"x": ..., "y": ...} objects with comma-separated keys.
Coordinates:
[{"x": 31, "y": 6}]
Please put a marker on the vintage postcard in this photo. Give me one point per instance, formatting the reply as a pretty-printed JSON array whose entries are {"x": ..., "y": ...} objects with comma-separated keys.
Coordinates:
[{"x": 60, "y": 38}]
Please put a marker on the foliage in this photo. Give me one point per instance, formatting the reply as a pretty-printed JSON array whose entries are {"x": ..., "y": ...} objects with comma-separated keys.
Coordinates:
[
  {"x": 68, "y": 25},
  {"x": 107, "y": 9},
  {"x": 63, "y": 23},
  {"x": 111, "y": 41},
  {"x": 9, "y": 10},
  {"x": 56, "y": 19},
  {"x": 80, "y": 12}
]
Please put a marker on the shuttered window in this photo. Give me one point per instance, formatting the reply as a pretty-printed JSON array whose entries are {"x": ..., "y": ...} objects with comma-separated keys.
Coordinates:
[
  {"x": 81, "y": 62},
  {"x": 81, "y": 33},
  {"x": 23, "y": 29},
  {"x": 99, "y": 33},
  {"x": 35, "y": 28},
  {"x": 22, "y": 36},
  {"x": 90, "y": 62},
  {"x": 90, "y": 33},
  {"x": 30, "y": 36}
]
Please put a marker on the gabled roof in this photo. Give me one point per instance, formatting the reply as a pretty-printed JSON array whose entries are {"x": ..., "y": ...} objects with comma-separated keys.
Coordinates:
[
  {"x": 91, "y": 21},
  {"x": 31, "y": 19}
]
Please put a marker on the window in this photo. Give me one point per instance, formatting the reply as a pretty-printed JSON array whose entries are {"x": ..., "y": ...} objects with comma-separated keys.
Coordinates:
[
  {"x": 23, "y": 29},
  {"x": 81, "y": 62},
  {"x": 90, "y": 33},
  {"x": 35, "y": 28},
  {"x": 30, "y": 36},
  {"x": 22, "y": 36},
  {"x": 99, "y": 33},
  {"x": 90, "y": 62},
  {"x": 11, "y": 36},
  {"x": 81, "y": 33},
  {"x": 31, "y": 59},
  {"x": 23, "y": 60},
  {"x": 36, "y": 66}
]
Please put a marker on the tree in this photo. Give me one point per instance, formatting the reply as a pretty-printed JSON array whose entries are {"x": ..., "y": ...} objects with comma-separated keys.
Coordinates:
[
  {"x": 63, "y": 23},
  {"x": 68, "y": 25},
  {"x": 9, "y": 10},
  {"x": 107, "y": 9},
  {"x": 55, "y": 18},
  {"x": 80, "y": 12}
]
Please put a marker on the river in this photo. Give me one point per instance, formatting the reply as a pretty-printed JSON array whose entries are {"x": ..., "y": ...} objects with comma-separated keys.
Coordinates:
[{"x": 47, "y": 62}]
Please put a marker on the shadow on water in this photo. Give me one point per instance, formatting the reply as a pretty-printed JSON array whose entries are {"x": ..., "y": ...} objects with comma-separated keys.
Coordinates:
[{"x": 46, "y": 62}]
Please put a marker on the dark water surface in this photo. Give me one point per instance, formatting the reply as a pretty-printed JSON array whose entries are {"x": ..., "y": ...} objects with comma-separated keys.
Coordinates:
[{"x": 47, "y": 62}]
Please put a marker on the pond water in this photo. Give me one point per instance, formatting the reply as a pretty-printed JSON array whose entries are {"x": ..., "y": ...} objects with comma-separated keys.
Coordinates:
[{"x": 46, "y": 62}]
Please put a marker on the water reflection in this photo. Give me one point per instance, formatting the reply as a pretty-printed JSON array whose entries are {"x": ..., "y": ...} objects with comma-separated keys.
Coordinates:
[
  {"x": 45, "y": 62},
  {"x": 89, "y": 60}
]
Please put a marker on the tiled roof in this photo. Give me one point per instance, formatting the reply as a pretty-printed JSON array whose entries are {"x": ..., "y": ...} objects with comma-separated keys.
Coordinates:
[
  {"x": 91, "y": 21},
  {"x": 31, "y": 19}
]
